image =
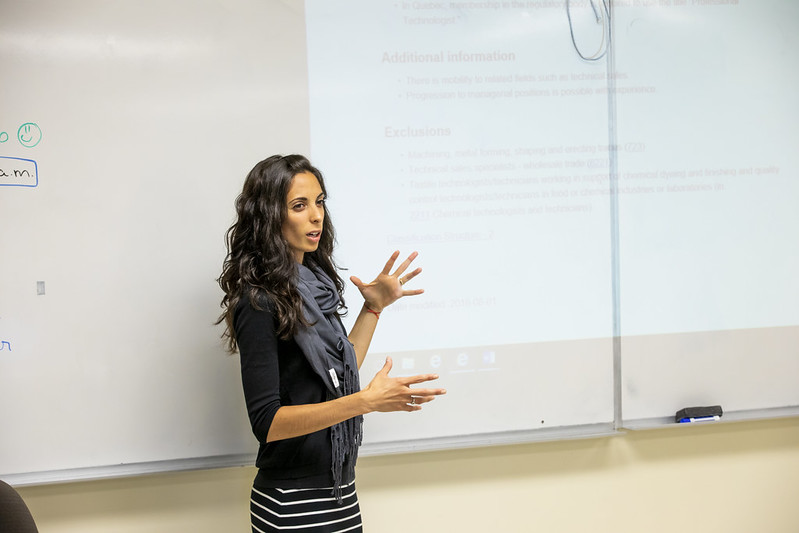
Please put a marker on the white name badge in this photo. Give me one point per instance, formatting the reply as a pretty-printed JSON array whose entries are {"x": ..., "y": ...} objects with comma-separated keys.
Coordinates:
[{"x": 334, "y": 376}]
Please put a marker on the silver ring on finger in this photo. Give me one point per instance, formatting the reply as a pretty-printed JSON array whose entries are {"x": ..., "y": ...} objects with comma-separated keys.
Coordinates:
[{"x": 413, "y": 400}]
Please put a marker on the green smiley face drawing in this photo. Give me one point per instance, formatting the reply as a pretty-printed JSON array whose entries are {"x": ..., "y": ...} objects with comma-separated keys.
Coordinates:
[{"x": 29, "y": 134}]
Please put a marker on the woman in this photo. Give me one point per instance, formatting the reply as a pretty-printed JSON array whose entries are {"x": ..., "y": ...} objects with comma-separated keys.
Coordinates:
[{"x": 299, "y": 367}]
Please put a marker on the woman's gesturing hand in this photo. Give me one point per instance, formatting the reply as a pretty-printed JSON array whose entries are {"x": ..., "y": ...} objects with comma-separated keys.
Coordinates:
[
  {"x": 387, "y": 287},
  {"x": 387, "y": 394}
]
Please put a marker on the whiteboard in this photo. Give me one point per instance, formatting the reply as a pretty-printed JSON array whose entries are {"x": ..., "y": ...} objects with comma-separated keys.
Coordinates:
[
  {"x": 128, "y": 130},
  {"x": 150, "y": 116},
  {"x": 464, "y": 133},
  {"x": 558, "y": 304},
  {"x": 707, "y": 121}
]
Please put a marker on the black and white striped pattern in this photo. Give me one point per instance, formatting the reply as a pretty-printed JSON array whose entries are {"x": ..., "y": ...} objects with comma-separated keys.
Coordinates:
[{"x": 301, "y": 510}]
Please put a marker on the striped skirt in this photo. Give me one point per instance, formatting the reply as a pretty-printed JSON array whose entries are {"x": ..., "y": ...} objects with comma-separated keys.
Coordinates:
[{"x": 300, "y": 510}]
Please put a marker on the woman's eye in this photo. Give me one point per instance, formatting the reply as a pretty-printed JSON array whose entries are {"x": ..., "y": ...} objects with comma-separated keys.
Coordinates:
[{"x": 298, "y": 207}]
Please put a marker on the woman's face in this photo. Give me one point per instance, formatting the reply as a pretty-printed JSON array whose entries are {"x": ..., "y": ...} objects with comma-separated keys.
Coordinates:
[{"x": 305, "y": 204}]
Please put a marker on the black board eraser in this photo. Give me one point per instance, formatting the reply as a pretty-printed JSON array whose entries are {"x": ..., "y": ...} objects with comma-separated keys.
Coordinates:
[{"x": 689, "y": 413}]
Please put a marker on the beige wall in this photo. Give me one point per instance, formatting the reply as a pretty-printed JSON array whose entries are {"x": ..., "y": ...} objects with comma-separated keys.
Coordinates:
[{"x": 732, "y": 478}]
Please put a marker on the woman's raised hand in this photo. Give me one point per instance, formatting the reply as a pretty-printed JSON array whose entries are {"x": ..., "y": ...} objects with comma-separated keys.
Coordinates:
[
  {"x": 387, "y": 394},
  {"x": 387, "y": 287}
]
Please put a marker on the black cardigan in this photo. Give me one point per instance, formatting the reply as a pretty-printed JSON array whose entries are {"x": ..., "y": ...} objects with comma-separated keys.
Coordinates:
[{"x": 275, "y": 372}]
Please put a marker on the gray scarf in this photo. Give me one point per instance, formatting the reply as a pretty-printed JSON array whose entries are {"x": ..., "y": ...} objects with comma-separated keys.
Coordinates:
[{"x": 332, "y": 357}]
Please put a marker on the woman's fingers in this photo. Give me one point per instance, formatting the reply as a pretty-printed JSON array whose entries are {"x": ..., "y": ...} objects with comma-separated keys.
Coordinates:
[
  {"x": 390, "y": 263},
  {"x": 418, "y": 398},
  {"x": 387, "y": 366},
  {"x": 387, "y": 288},
  {"x": 419, "y": 378},
  {"x": 395, "y": 394},
  {"x": 404, "y": 265},
  {"x": 408, "y": 277},
  {"x": 427, "y": 393},
  {"x": 422, "y": 395}
]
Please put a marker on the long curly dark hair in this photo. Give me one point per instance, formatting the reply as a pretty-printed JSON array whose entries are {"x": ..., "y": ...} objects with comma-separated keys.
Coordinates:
[{"x": 259, "y": 260}]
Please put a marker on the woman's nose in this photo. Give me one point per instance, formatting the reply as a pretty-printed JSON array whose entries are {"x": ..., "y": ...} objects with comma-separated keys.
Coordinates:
[{"x": 317, "y": 213}]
